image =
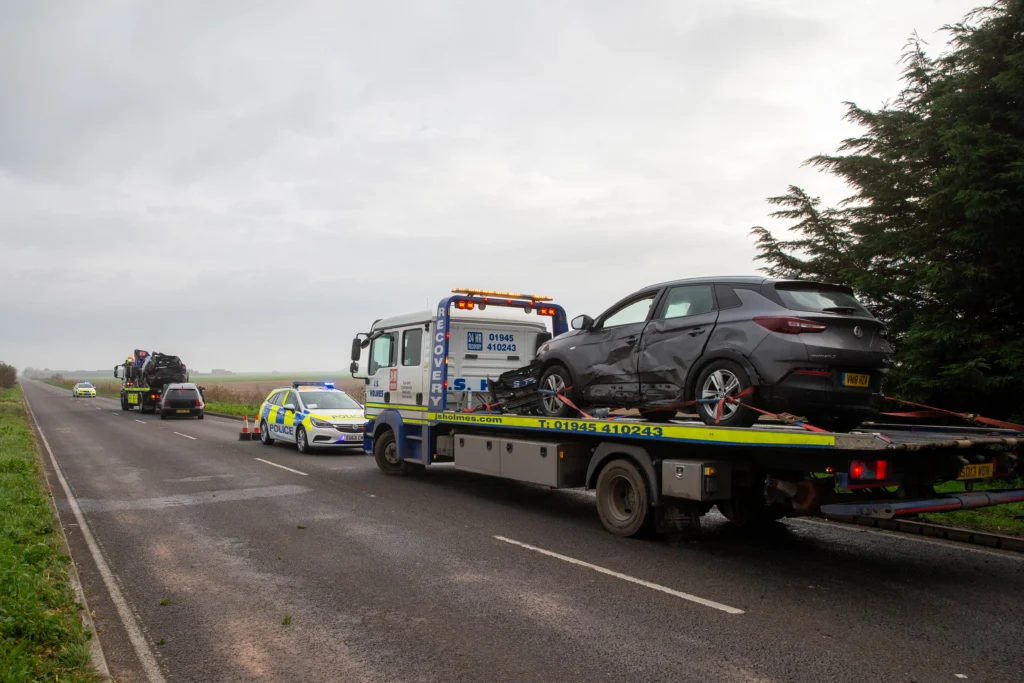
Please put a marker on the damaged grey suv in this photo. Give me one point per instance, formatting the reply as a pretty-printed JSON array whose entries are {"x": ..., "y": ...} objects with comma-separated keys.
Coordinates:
[{"x": 785, "y": 346}]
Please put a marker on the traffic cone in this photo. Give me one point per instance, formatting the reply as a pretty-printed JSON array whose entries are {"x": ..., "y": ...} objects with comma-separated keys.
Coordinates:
[
  {"x": 255, "y": 430},
  {"x": 244, "y": 435}
]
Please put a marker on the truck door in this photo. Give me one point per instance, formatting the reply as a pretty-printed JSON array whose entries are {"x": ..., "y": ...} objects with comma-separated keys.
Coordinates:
[
  {"x": 673, "y": 340},
  {"x": 605, "y": 357},
  {"x": 383, "y": 359},
  {"x": 405, "y": 380}
]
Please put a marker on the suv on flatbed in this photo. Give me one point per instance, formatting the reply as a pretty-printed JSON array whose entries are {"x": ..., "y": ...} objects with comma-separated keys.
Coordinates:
[{"x": 806, "y": 348}]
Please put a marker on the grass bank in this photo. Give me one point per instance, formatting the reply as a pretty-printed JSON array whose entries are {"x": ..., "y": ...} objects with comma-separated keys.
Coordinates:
[{"x": 41, "y": 635}]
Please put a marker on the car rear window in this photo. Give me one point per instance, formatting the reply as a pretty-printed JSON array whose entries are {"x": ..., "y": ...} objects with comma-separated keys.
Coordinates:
[
  {"x": 183, "y": 393},
  {"x": 819, "y": 299}
]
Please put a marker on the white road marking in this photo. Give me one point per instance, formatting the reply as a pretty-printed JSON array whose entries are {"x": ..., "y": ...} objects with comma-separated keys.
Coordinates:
[
  {"x": 625, "y": 577},
  {"x": 901, "y": 536},
  {"x": 186, "y": 436},
  {"x": 138, "y": 641},
  {"x": 99, "y": 408},
  {"x": 282, "y": 467},
  {"x": 140, "y": 422}
]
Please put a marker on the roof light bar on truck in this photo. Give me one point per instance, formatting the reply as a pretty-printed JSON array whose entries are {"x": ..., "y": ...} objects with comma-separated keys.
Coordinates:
[{"x": 486, "y": 293}]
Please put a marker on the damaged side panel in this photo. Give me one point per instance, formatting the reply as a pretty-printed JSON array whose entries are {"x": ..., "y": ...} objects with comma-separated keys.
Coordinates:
[
  {"x": 605, "y": 365},
  {"x": 667, "y": 351}
]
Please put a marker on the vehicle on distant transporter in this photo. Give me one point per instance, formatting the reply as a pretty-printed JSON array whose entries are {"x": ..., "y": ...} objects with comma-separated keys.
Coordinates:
[
  {"x": 84, "y": 389},
  {"x": 786, "y": 346},
  {"x": 182, "y": 399},
  {"x": 312, "y": 415}
]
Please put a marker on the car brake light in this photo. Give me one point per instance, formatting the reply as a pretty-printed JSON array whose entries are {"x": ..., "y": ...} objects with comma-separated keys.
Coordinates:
[
  {"x": 199, "y": 404},
  {"x": 788, "y": 325},
  {"x": 869, "y": 469}
]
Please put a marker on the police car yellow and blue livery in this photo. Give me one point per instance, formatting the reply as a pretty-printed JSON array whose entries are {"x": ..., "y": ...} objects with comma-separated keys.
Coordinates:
[
  {"x": 311, "y": 415},
  {"x": 84, "y": 389}
]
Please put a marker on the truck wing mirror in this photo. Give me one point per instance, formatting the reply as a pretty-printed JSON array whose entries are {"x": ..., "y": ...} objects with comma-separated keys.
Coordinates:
[
  {"x": 357, "y": 346},
  {"x": 582, "y": 322}
]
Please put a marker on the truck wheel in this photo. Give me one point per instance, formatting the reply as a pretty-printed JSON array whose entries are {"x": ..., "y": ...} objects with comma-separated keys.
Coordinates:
[
  {"x": 124, "y": 404},
  {"x": 265, "y": 434},
  {"x": 302, "y": 441},
  {"x": 385, "y": 453},
  {"x": 556, "y": 379},
  {"x": 623, "y": 501},
  {"x": 724, "y": 378}
]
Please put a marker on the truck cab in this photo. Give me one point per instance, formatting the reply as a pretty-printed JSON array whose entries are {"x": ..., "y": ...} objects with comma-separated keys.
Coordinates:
[{"x": 442, "y": 359}]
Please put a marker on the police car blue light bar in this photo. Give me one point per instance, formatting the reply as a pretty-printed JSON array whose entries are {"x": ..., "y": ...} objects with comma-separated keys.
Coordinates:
[{"x": 324, "y": 384}]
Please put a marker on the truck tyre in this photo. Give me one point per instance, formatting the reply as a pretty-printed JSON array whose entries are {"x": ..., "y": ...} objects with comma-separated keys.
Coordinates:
[
  {"x": 724, "y": 377},
  {"x": 556, "y": 378},
  {"x": 385, "y": 453},
  {"x": 623, "y": 499},
  {"x": 302, "y": 441},
  {"x": 265, "y": 437},
  {"x": 124, "y": 404}
]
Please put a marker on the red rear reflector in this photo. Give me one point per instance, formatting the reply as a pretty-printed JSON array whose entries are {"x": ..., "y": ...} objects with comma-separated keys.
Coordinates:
[
  {"x": 816, "y": 373},
  {"x": 869, "y": 469},
  {"x": 787, "y": 325}
]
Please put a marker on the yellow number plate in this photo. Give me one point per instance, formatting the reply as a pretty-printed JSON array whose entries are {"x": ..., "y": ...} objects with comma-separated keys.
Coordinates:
[
  {"x": 852, "y": 379},
  {"x": 184, "y": 411},
  {"x": 982, "y": 471},
  {"x": 133, "y": 398}
]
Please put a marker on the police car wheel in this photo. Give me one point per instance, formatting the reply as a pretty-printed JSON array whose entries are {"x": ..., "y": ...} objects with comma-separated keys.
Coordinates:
[
  {"x": 301, "y": 440},
  {"x": 265, "y": 438}
]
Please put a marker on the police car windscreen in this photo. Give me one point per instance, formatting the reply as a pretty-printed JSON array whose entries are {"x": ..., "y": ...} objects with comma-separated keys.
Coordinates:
[{"x": 328, "y": 400}]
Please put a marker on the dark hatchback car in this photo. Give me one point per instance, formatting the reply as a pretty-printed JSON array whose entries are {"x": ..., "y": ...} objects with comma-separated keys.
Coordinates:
[
  {"x": 806, "y": 348},
  {"x": 182, "y": 399}
]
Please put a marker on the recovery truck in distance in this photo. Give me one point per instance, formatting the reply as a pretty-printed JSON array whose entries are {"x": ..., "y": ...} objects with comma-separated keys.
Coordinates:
[
  {"x": 144, "y": 376},
  {"x": 429, "y": 402}
]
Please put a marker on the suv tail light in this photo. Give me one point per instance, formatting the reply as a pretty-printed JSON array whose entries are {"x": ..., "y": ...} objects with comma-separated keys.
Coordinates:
[{"x": 787, "y": 325}]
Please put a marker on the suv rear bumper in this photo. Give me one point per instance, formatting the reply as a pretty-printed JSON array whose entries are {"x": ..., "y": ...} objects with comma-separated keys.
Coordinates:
[{"x": 818, "y": 394}]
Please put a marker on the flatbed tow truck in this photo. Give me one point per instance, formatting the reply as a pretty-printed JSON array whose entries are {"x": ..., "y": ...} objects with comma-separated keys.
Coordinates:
[{"x": 431, "y": 402}]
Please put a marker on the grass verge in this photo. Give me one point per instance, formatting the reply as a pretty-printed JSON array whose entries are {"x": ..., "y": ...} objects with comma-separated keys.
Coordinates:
[
  {"x": 41, "y": 635},
  {"x": 1001, "y": 519}
]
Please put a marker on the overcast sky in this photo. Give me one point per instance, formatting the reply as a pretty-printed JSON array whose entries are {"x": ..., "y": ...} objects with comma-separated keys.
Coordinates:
[{"x": 248, "y": 184}]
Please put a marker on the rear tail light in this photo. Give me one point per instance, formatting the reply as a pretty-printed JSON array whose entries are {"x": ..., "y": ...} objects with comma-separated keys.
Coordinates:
[
  {"x": 199, "y": 404},
  {"x": 546, "y": 311},
  {"x": 788, "y": 325},
  {"x": 869, "y": 469},
  {"x": 465, "y": 305}
]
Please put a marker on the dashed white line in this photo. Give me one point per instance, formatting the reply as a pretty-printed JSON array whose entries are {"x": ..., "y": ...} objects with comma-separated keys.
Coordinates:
[
  {"x": 186, "y": 436},
  {"x": 625, "y": 577},
  {"x": 138, "y": 641},
  {"x": 282, "y": 467},
  {"x": 140, "y": 422}
]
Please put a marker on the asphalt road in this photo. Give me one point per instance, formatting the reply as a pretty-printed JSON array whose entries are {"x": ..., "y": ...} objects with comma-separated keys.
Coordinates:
[{"x": 408, "y": 579}]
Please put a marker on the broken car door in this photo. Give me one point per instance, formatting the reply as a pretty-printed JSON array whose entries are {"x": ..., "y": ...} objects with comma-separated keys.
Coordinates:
[
  {"x": 605, "y": 356},
  {"x": 673, "y": 340}
]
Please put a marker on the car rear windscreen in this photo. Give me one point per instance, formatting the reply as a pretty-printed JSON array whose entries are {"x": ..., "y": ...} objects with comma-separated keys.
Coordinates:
[
  {"x": 177, "y": 394},
  {"x": 819, "y": 299}
]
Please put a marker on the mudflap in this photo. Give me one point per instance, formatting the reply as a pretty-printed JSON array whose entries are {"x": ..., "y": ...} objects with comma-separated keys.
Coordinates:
[{"x": 678, "y": 518}]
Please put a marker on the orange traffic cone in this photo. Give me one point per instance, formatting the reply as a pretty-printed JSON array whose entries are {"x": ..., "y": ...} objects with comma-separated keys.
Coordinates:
[
  {"x": 255, "y": 430},
  {"x": 244, "y": 435}
]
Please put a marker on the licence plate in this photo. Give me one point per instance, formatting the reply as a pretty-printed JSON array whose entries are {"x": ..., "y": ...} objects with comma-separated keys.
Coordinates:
[
  {"x": 853, "y": 379},
  {"x": 133, "y": 398},
  {"x": 982, "y": 471},
  {"x": 353, "y": 437},
  {"x": 184, "y": 411}
]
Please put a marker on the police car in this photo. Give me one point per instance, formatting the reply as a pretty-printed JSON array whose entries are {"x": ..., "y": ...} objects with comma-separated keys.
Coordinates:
[
  {"x": 311, "y": 415},
  {"x": 84, "y": 389}
]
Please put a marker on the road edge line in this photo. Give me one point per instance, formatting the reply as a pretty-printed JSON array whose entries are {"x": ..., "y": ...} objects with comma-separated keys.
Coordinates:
[
  {"x": 135, "y": 636},
  {"x": 96, "y": 655},
  {"x": 625, "y": 577}
]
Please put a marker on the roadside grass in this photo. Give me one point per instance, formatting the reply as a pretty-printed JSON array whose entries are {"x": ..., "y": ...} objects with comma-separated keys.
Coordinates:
[
  {"x": 1001, "y": 519},
  {"x": 41, "y": 635}
]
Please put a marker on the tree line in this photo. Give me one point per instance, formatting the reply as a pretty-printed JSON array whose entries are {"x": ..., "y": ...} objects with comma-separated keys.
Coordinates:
[{"x": 932, "y": 236}]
